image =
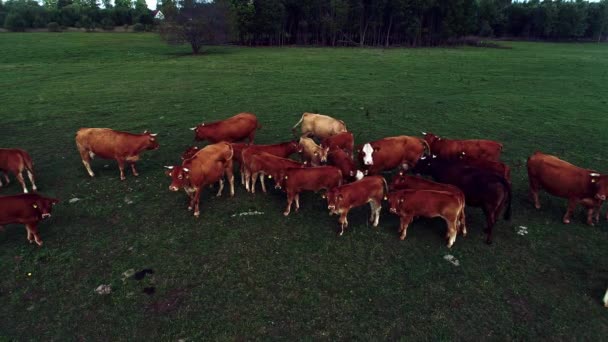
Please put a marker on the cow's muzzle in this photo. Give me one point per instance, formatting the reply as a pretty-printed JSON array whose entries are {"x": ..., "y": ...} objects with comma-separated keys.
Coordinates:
[
  {"x": 393, "y": 210},
  {"x": 45, "y": 215},
  {"x": 601, "y": 197},
  {"x": 173, "y": 188}
]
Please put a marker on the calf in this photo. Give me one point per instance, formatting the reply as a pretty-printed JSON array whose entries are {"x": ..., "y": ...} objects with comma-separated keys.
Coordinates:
[
  {"x": 27, "y": 209},
  {"x": 321, "y": 126},
  {"x": 260, "y": 164},
  {"x": 411, "y": 203},
  {"x": 16, "y": 161},
  {"x": 473, "y": 148},
  {"x": 283, "y": 150},
  {"x": 206, "y": 167},
  {"x": 390, "y": 153},
  {"x": 237, "y": 128},
  {"x": 312, "y": 179},
  {"x": 403, "y": 182},
  {"x": 481, "y": 188},
  {"x": 367, "y": 190},
  {"x": 562, "y": 179},
  {"x": 312, "y": 154},
  {"x": 341, "y": 160},
  {"x": 343, "y": 141},
  {"x": 110, "y": 144}
]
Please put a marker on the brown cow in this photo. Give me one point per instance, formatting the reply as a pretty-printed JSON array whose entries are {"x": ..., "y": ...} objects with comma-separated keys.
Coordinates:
[
  {"x": 344, "y": 141},
  {"x": 237, "y": 128},
  {"x": 367, "y": 190},
  {"x": 345, "y": 163},
  {"x": 453, "y": 149},
  {"x": 16, "y": 161},
  {"x": 321, "y": 126},
  {"x": 312, "y": 179},
  {"x": 262, "y": 163},
  {"x": 562, "y": 179},
  {"x": 27, "y": 209},
  {"x": 410, "y": 203},
  {"x": 312, "y": 154},
  {"x": 206, "y": 167},
  {"x": 497, "y": 167},
  {"x": 283, "y": 150},
  {"x": 110, "y": 144},
  {"x": 389, "y": 153},
  {"x": 402, "y": 181}
]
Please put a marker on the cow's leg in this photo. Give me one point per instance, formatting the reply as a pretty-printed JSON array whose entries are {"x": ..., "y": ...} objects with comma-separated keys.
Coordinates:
[
  {"x": 247, "y": 180},
  {"x": 372, "y": 206},
  {"x": 254, "y": 179},
  {"x": 86, "y": 161},
  {"x": 242, "y": 172},
  {"x": 231, "y": 182},
  {"x": 490, "y": 221},
  {"x": 590, "y": 211},
  {"x": 452, "y": 231},
  {"x": 197, "y": 197},
  {"x": 262, "y": 177},
  {"x": 462, "y": 222},
  {"x": 30, "y": 175},
  {"x": 32, "y": 233},
  {"x": 378, "y": 210},
  {"x": 297, "y": 202},
  {"x": 534, "y": 188},
  {"x": 405, "y": 222},
  {"x": 133, "y": 170},
  {"x": 219, "y": 192},
  {"x": 290, "y": 197},
  {"x": 192, "y": 200},
  {"x": 6, "y": 179},
  {"x": 19, "y": 176},
  {"x": 343, "y": 222},
  {"x": 571, "y": 206},
  {"x": 121, "y": 167}
]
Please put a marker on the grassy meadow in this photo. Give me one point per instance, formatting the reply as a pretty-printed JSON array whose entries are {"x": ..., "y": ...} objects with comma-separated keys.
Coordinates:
[{"x": 225, "y": 276}]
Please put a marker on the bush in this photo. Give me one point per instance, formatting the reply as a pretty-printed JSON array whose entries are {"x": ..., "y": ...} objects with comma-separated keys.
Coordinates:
[
  {"x": 139, "y": 27},
  {"x": 53, "y": 27},
  {"x": 107, "y": 24},
  {"x": 14, "y": 22}
]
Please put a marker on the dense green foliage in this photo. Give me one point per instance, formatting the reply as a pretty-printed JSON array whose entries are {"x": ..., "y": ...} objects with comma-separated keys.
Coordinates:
[{"x": 231, "y": 277}]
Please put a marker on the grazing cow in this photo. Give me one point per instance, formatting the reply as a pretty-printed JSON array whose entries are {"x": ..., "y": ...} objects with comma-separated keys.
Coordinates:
[
  {"x": 16, "y": 161},
  {"x": 345, "y": 197},
  {"x": 27, "y": 209},
  {"x": 313, "y": 154},
  {"x": 237, "y": 128},
  {"x": 453, "y": 149},
  {"x": 481, "y": 188},
  {"x": 389, "y": 153},
  {"x": 206, "y": 167},
  {"x": 402, "y": 181},
  {"x": 497, "y": 167},
  {"x": 110, "y": 144},
  {"x": 562, "y": 179},
  {"x": 321, "y": 126},
  {"x": 344, "y": 141},
  {"x": 260, "y": 164},
  {"x": 312, "y": 179},
  {"x": 345, "y": 163},
  {"x": 411, "y": 203}
]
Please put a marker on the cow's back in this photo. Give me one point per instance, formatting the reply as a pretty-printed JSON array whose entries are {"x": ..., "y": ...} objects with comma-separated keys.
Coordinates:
[
  {"x": 321, "y": 126},
  {"x": 18, "y": 209},
  {"x": 556, "y": 176}
]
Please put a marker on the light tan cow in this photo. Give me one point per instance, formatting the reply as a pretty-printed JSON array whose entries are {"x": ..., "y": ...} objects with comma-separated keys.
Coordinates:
[
  {"x": 321, "y": 126},
  {"x": 312, "y": 153}
]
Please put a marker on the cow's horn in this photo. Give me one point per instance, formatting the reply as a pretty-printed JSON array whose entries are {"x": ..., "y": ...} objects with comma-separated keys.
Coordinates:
[
  {"x": 169, "y": 167},
  {"x": 594, "y": 174},
  {"x": 192, "y": 128},
  {"x": 153, "y": 134},
  {"x": 146, "y": 131},
  {"x": 186, "y": 170},
  {"x": 423, "y": 133}
]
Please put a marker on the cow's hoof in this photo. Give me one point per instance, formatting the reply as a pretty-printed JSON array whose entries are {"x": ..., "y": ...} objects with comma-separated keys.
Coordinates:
[
  {"x": 402, "y": 238},
  {"x": 566, "y": 221},
  {"x": 197, "y": 214},
  {"x": 189, "y": 208},
  {"x": 39, "y": 243},
  {"x": 285, "y": 213}
]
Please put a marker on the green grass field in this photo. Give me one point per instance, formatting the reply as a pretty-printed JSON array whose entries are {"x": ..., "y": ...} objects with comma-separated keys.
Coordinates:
[{"x": 237, "y": 277}]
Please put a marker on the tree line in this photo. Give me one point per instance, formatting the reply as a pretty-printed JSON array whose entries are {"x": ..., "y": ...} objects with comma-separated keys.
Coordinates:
[{"x": 332, "y": 22}]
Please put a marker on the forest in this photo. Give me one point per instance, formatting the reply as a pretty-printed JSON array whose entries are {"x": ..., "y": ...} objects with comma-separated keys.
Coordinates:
[{"x": 332, "y": 22}]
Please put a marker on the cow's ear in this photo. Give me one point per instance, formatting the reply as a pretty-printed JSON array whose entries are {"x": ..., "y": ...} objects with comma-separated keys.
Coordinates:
[
  {"x": 401, "y": 200},
  {"x": 594, "y": 177},
  {"x": 286, "y": 177},
  {"x": 35, "y": 205},
  {"x": 146, "y": 132},
  {"x": 423, "y": 133},
  {"x": 186, "y": 170},
  {"x": 323, "y": 196},
  {"x": 400, "y": 173}
]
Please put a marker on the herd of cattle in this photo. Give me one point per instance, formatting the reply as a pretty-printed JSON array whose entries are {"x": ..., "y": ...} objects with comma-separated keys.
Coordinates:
[{"x": 465, "y": 173}]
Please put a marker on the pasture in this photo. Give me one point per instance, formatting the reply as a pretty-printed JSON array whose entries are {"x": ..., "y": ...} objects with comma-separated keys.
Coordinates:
[{"x": 231, "y": 276}]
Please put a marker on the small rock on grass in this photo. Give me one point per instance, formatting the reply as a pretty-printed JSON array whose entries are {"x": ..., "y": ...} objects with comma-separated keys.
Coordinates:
[{"x": 103, "y": 289}]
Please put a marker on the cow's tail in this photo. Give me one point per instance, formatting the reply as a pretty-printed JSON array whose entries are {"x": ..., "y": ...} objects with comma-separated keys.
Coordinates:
[
  {"x": 427, "y": 147},
  {"x": 507, "y": 186},
  {"x": 385, "y": 185},
  {"x": 293, "y": 129},
  {"x": 27, "y": 161}
]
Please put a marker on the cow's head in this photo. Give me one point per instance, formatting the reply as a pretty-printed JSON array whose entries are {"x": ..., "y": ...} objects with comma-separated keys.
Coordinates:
[
  {"x": 600, "y": 185},
  {"x": 356, "y": 174},
  {"x": 334, "y": 198},
  {"x": 180, "y": 177},
  {"x": 152, "y": 143},
  {"x": 200, "y": 131},
  {"x": 394, "y": 201},
  {"x": 190, "y": 152},
  {"x": 430, "y": 138},
  {"x": 280, "y": 180},
  {"x": 44, "y": 206},
  {"x": 425, "y": 164},
  {"x": 399, "y": 181},
  {"x": 367, "y": 152},
  {"x": 321, "y": 154}
]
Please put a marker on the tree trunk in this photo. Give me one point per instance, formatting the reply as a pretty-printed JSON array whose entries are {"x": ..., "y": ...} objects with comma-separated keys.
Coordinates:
[{"x": 388, "y": 32}]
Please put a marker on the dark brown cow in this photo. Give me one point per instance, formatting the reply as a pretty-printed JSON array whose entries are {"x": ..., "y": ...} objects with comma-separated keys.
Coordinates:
[
  {"x": 390, "y": 153},
  {"x": 411, "y": 203},
  {"x": 453, "y": 149},
  {"x": 110, "y": 144},
  {"x": 27, "y": 209},
  {"x": 341, "y": 199},
  {"x": 497, "y": 167},
  {"x": 237, "y": 128},
  {"x": 344, "y": 141},
  {"x": 260, "y": 164},
  {"x": 312, "y": 179},
  {"x": 402, "y": 181},
  {"x": 345, "y": 163},
  {"x": 206, "y": 167},
  {"x": 562, "y": 179},
  {"x": 16, "y": 161}
]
